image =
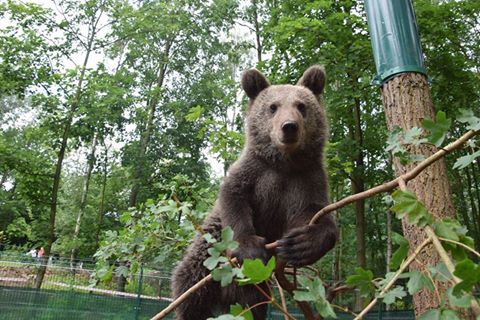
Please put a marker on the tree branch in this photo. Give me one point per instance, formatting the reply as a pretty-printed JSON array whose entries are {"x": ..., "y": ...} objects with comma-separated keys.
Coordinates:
[
  {"x": 400, "y": 270},
  {"x": 182, "y": 298},
  {"x": 442, "y": 253},
  {"x": 394, "y": 183},
  {"x": 398, "y": 182}
]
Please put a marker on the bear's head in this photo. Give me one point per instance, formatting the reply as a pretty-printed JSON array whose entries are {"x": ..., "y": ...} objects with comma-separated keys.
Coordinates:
[{"x": 286, "y": 122}]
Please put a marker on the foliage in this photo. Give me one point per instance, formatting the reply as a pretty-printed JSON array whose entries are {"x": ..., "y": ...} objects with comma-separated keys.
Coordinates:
[
  {"x": 194, "y": 113},
  {"x": 152, "y": 235},
  {"x": 314, "y": 291}
]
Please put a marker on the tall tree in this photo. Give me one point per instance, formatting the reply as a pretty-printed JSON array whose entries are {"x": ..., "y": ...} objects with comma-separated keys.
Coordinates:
[{"x": 76, "y": 15}]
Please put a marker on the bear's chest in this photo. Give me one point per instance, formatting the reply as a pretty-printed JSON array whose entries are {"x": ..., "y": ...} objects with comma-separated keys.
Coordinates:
[{"x": 277, "y": 200}]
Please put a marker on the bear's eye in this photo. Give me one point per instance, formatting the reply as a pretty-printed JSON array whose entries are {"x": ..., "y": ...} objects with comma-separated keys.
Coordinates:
[
  {"x": 273, "y": 108},
  {"x": 303, "y": 109}
]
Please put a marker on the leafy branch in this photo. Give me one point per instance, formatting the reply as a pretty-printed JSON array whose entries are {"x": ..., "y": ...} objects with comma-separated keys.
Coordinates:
[{"x": 415, "y": 214}]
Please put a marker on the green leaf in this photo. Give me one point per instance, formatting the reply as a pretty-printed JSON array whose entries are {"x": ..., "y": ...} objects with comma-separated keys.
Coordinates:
[
  {"x": 440, "y": 273},
  {"x": 394, "y": 144},
  {"x": 212, "y": 262},
  {"x": 237, "y": 309},
  {"x": 227, "y": 242},
  {"x": 224, "y": 274},
  {"x": 209, "y": 238},
  {"x": 194, "y": 113},
  {"x": 438, "y": 130},
  {"x": 433, "y": 314},
  {"x": 445, "y": 229},
  {"x": 313, "y": 290},
  {"x": 122, "y": 271},
  {"x": 469, "y": 272},
  {"x": 449, "y": 315},
  {"x": 363, "y": 280},
  {"x": 256, "y": 272},
  {"x": 467, "y": 116},
  {"x": 412, "y": 136},
  {"x": 406, "y": 204},
  {"x": 418, "y": 280},
  {"x": 401, "y": 253},
  {"x": 453, "y": 230},
  {"x": 465, "y": 161},
  {"x": 460, "y": 301},
  {"x": 396, "y": 293},
  {"x": 105, "y": 273}
]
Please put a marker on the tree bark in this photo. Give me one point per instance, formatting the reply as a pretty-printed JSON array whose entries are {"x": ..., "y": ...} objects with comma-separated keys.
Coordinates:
[
  {"x": 61, "y": 153},
  {"x": 358, "y": 185},
  {"x": 407, "y": 102},
  {"x": 83, "y": 203}
]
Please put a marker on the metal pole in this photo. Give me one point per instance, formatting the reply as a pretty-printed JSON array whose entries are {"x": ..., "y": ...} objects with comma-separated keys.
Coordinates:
[{"x": 139, "y": 294}]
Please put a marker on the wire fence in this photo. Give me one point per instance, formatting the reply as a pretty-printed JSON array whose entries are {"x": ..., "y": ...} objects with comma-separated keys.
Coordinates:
[{"x": 68, "y": 293}]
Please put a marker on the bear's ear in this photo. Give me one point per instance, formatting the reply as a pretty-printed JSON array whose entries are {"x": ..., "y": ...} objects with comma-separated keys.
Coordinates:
[
  {"x": 253, "y": 82},
  {"x": 314, "y": 79}
]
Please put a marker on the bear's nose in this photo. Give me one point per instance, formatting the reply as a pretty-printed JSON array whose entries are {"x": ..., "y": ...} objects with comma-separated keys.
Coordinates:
[{"x": 290, "y": 127}]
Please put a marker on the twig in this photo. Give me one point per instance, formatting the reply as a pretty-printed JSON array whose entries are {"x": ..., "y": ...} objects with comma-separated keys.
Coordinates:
[
  {"x": 429, "y": 274},
  {"x": 461, "y": 245},
  {"x": 443, "y": 254},
  {"x": 290, "y": 287},
  {"x": 394, "y": 183},
  {"x": 400, "y": 181},
  {"x": 346, "y": 310},
  {"x": 182, "y": 298},
  {"x": 282, "y": 297},
  {"x": 450, "y": 266},
  {"x": 402, "y": 268}
]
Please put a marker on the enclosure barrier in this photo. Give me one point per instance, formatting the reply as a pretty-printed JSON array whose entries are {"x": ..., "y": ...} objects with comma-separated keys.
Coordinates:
[{"x": 67, "y": 294}]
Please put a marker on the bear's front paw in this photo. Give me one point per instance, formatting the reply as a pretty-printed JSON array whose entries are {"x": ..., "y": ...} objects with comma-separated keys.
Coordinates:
[
  {"x": 251, "y": 247},
  {"x": 305, "y": 245}
]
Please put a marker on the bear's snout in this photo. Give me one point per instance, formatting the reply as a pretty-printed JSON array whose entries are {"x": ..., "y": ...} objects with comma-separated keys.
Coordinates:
[{"x": 290, "y": 132}]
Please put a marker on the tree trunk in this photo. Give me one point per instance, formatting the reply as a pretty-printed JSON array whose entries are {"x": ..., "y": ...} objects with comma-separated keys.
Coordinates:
[
  {"x": 407, "y": 102},
  {"x": 459, "y": 189},
  {"x": 474, "y": 208},
  {"x": 83, "y": 203},
  {"x": 138, "y": 173},
  {"x": 61, "y": 155},
  {"x": 152, "y": 106},
  {"x": 358, "y": 185},
  {"x": 389, "y": 246},
  {"x": 101, "y": 211},
  {"x": 256, "y": 25}
]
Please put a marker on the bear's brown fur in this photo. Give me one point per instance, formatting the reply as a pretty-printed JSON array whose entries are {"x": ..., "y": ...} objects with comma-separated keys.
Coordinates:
[{"x": 270, "y": 193}]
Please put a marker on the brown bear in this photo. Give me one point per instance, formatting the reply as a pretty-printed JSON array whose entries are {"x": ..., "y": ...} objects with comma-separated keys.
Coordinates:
[{"x": 270, "y": 193}]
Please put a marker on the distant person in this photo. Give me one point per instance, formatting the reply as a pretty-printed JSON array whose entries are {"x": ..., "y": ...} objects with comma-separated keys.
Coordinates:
[
  {"x": 32, "y": 253},
  {"x": 40, "y": 252}
]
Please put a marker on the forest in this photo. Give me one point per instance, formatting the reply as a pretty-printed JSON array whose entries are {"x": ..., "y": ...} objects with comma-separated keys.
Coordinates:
[{"x": 118, "y": 120}]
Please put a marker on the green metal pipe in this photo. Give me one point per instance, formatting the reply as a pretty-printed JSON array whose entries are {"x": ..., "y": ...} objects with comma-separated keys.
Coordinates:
[{"x": 395, "y": 41}]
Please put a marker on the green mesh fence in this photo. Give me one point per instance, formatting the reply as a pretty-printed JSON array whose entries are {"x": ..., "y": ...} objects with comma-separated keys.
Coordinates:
[
  {"x": 66, "y": 294},
  {"x": 47, "y": 304}
]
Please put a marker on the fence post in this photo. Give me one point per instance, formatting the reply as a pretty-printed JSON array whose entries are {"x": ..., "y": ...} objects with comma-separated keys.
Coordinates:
[{"x": 139, "y": 293}]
